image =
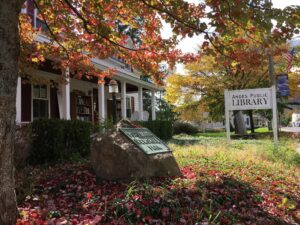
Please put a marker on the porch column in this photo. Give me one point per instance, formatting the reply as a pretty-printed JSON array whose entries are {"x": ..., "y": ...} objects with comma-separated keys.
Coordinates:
[
  {"x": 153, "y": 101},
  {"x": 18, "y": 101},
  {"x": 101, "y": 102},
  {"x": 65, "y": 89},
  {"x": 123, "y": 100},
  {"x": 140, "y": 101}
]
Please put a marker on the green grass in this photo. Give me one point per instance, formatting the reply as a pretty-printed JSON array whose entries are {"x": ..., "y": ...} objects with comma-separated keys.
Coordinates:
[
  {"x": 262, "y": 130},
  {"x": 244, "y": 171},
  {"x": 244, "y": 182},
  {"x": 223, "y": 134},
  {"x": 191, "y": 149},
  {"x": 211, "y": 134}
]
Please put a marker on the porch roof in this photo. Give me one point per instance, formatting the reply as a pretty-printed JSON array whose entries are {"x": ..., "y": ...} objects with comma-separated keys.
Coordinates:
[{"x": 124, "y": 75}]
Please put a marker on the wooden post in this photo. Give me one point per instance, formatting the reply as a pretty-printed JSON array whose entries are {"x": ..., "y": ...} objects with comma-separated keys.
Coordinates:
[
  {"x": 140, "y": 101},
  {"x": 123, "y": 100},
  {"x": 227, "y": 121},
  {"x": 153, "y": 102},
  {"x": 101, "y": 102},
  {"x": 66, "y": 95},
  {"x": 275, "y": 117}
]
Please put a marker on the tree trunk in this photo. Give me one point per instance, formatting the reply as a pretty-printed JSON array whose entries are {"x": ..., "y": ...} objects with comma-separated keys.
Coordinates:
[
  {"x": 239, "y": 123},
  {"x": 251, "y": 121},
  {"x": 9, "y": 57}
]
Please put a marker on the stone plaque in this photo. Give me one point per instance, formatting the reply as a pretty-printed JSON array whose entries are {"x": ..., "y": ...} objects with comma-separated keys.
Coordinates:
[{"x": 145, "y": 140}]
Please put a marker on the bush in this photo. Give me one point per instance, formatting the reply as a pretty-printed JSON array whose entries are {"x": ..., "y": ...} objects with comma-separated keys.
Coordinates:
[
  {"x": 102, "y": 126},
  {"x": 162, "y": 129},
  {"x": 54, "y": 140},
  {"x": 184, "y": 127},
  {"x": 285, "y": 120}
]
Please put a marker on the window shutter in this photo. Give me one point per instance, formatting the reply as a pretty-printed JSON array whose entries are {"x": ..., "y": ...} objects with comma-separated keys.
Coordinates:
[
  {"x": 54, "y": 111},
  {"x": 30, "y": 7},
  {"x": 25, "y": 102},
  {"x": 132, "y": 104},
  {"x": 30, "y": 11}
]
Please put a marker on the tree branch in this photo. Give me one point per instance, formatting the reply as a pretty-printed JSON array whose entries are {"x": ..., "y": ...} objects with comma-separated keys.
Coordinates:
[
  {"x": 50, "y": 30},
  {"x": 86, "y": 23},
  {"x": 239, "y": 25},
  {"x": 159, "y": 9},
  {"x": 193, "y": 27}
]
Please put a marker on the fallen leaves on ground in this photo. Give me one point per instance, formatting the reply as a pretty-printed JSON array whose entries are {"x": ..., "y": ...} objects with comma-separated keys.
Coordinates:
[{"x": 205, "y": 194}]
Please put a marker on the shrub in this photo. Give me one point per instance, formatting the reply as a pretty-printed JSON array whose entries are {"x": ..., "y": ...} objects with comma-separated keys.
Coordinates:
[
  {"x": 184, "y": 127},
  {"x": 102, "y": 126},
  {"x": 285, "y": 120},
  {"x": 54, "y": 140},
  {"x": 162, "y": 129}
]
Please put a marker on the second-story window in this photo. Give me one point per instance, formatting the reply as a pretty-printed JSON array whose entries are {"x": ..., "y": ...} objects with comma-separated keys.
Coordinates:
[
  {"x": 124, "y": 62},
  {"x": 32, "y": 12}
]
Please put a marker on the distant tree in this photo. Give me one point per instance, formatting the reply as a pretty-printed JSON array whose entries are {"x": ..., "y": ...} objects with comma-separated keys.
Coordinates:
[{"x": 202, "y": 88}]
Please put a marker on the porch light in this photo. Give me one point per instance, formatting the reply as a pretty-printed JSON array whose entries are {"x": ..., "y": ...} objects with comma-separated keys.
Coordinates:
[{"x": 113, "y": 87}]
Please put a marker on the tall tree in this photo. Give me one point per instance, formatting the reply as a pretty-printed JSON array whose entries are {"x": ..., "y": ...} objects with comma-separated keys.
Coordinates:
[
  {"x": 81, "y": 30},
  {"x": 9, "y": 59},
  {"x": 202, "y": 88}
]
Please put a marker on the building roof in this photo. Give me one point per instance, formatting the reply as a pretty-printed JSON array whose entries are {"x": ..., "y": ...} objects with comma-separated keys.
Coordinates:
[{"x": 125, "y": 75}]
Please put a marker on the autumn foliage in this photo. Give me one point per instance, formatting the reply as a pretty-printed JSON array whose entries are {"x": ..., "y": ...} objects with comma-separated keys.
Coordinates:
[
  {"x": 82, "y": 30},
  {"x": 210, "y": 191}
]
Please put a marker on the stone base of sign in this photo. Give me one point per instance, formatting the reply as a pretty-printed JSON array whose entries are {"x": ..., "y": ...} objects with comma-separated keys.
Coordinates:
[{"x": 115, "y": 157}]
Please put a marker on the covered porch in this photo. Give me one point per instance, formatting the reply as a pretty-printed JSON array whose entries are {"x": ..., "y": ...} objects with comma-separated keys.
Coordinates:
[{"x": 84, "y": 99}]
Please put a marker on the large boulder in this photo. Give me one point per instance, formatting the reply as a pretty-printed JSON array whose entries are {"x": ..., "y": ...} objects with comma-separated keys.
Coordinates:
[{"x": 115, "y": 157}]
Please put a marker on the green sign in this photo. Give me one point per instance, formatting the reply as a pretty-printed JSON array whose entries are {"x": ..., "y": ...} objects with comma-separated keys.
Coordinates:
[{"x": 145, "y": 140}]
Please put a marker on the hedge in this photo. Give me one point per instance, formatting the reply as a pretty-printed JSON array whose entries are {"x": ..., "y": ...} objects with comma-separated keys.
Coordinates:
[
  {"x": 181, "y": 127},
  {"x": 54, "y": 140},
  {"x": 162, "y": 129}
]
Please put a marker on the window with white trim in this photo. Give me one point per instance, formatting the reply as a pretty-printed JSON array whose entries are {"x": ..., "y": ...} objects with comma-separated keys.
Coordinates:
[
  {"x": 40, "y": 102},
  {"x": 36, "y": 21}
]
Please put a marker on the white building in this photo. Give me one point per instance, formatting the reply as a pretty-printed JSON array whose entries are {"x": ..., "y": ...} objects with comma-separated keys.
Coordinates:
[{"x": 82, "y": 99}]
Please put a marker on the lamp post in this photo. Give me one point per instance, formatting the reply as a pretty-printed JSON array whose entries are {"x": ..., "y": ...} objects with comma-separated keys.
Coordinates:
[{"x": 113, "y": 90}]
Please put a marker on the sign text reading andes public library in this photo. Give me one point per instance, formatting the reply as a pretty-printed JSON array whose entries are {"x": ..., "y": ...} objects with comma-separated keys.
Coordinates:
[{"x": 249, "y": 99}]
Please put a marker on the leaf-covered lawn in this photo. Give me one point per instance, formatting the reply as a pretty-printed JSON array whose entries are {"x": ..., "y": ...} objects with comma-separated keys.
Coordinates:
[{"x": 217, "y": 187}]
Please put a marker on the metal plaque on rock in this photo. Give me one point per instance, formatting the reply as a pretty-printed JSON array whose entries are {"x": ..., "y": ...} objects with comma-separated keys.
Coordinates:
[{"x": 145, "y": 140}]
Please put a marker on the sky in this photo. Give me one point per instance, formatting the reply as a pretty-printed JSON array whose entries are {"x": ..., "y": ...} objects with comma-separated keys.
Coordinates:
[{"x": 190, "y": 44}]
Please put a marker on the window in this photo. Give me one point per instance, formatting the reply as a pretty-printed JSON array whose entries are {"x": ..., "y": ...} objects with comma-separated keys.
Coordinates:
[
  {"x": 32, "y": 12},
  {"x": 128, "y": 107},
  {"x": 247, "y": 121},
  {"x": 40, "y": 102}
]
